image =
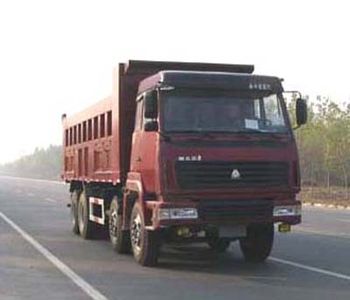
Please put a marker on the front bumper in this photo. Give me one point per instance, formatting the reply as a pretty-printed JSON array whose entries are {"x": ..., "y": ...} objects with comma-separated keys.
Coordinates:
[{"x": 222, "y": 212}]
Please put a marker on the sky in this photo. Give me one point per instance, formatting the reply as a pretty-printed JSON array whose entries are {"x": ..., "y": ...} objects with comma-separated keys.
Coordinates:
[{"x": 57, "y": 56}]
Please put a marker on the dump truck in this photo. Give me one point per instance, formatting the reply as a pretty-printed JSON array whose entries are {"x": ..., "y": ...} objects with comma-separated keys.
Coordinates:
[{"x": 184, "y": 153}]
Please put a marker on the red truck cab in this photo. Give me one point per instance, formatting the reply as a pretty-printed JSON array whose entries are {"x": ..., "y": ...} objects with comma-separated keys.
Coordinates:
[{"x": 197, "y": 153}]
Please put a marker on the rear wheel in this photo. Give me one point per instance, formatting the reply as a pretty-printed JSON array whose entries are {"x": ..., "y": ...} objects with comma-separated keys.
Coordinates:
[
  {"x": 87, "y": 228},
  {"x": 120, "y": 239},
  {"x": 145, "y": 243},
  {"x": 74, "y": 210},
  {"x": 256, "y": 247}
]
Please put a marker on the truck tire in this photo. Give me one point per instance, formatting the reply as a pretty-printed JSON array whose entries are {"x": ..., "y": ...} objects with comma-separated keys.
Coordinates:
[
  {"x": 219, "y": 245},
  {"x": 119, "y": 238},
  {"x": 256, "y": 247},
  {"x": 74, "y": 198},
  {"x": 87, "y": 228},
  {"x": 144, "y": 243}
]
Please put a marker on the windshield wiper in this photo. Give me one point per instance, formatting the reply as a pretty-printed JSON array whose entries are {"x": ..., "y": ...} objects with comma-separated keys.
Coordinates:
[
  {"x": 247, "y": 133},
  {"x": 248, "y": 130},
  {"x": 166, "y": 138},
  {"x": 210, "y": 134},
  {"x": 266, "y": 134}
]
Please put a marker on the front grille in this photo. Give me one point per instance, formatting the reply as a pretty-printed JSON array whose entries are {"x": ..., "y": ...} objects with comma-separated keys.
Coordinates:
[
  {"x": 235, "y": 209},
  {"x": 221, "y": 174}
]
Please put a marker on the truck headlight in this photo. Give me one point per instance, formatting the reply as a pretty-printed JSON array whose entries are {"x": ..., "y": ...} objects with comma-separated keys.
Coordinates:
[
  {"x": 177, "y": 213},
  {"x": 288, "y": 210}
]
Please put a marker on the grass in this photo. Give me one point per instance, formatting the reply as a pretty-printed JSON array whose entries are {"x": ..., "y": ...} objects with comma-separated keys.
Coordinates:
[{"x": 335, "y": 195}]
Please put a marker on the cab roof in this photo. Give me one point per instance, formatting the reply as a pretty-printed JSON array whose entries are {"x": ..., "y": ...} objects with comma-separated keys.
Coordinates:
[{"x": 211, "y": 80}]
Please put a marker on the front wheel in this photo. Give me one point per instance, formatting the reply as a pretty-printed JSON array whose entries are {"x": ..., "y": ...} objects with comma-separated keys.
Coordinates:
[
  {"x": 144, "y": 243},
  {"x": 257, "y": 245}
]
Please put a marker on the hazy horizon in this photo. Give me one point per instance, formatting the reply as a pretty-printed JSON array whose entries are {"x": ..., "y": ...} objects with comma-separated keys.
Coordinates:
[{"x": 57, "y": 57}]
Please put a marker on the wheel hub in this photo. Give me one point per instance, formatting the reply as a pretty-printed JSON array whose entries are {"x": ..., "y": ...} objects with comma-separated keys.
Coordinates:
[
  {"x": 81, "y": 216},
  {"x": 136, "y": 233},
  {"x": 113, "y": 223}
]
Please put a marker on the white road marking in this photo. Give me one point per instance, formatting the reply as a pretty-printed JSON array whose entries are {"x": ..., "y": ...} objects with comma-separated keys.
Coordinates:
[
  {"x": 50, "y": 200},
  {"x": 262, "y": 277},
  {"x": 343, "y": 220},
  {"x": 80, "y": 282},
  {"x": 332, "y": 207},
  {"x": 30, "y": 194},
  {"x": 309, "y": 268},
  {"x": 32, "y": 179},
  {"x": 325, "y": 233}
]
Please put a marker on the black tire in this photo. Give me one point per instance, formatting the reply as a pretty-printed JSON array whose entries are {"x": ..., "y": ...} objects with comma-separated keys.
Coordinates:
[
  {"x": 119, "y": 238},
  {"x": 257, "y": 246},
  {"x": 219, "y": 245},
  {"x": 74, "y": 198},
  {"x": 144, "y": 243},
  {"x": 87, "y": 228}
]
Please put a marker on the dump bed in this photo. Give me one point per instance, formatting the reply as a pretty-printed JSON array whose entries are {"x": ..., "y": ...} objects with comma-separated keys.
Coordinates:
[{"x": 97, "y": 141}]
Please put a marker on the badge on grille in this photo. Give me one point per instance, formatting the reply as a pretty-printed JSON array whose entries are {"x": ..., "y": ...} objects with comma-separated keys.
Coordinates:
[{"x": 235, "y": 174}]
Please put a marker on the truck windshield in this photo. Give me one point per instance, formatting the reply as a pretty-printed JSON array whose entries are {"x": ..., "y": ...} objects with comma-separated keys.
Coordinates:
[{"x": 223, "y": 112}]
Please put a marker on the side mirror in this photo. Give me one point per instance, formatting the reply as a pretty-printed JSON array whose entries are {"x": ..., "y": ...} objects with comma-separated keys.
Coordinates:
[
  {"x": 151, "y": 126},
  {"x": 151, "y": 110},
  {"x": 301, "y": 112}
]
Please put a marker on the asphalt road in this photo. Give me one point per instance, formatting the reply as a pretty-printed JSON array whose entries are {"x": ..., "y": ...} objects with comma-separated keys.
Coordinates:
[{"x": 40, "y": 258}]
